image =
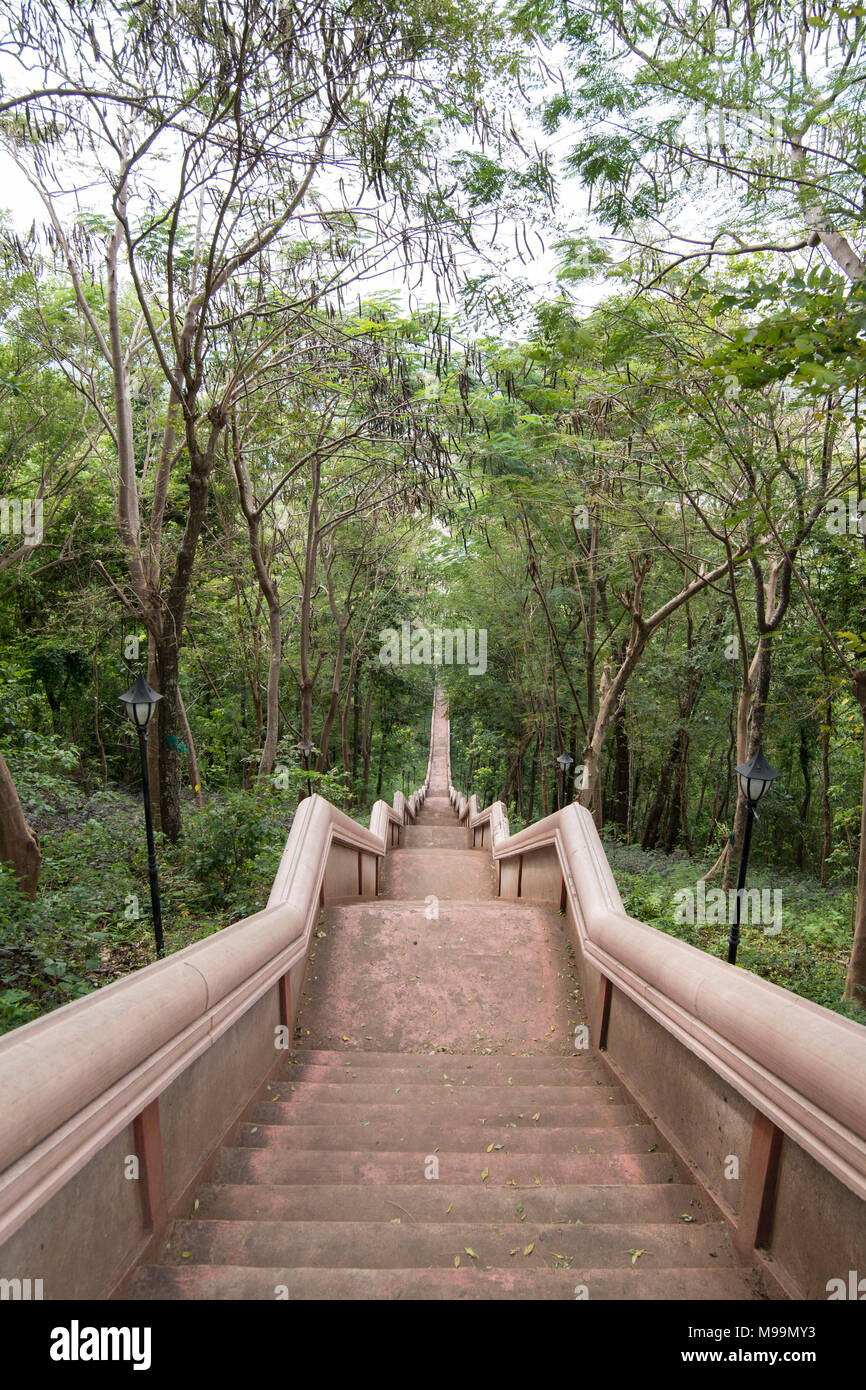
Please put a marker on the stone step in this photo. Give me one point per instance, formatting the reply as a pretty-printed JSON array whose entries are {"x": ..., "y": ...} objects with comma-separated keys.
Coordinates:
[
  {"x": 404, "y": 1132},
  {"x": 317, "y": 1167},
  {"x": 483, "y": 1100},
  {"x": 404, "y": 1244},
  {"x": 451, "y": 836},
  {"x": 578, "y": 1077},
  {"x": 481, "y": 1120},
  {"x": 447, "y": 1202},
  {"x": 446, "y": 1065},
  {"x": 233, "y": 1282},
  {"x": 459, "y": 874}
]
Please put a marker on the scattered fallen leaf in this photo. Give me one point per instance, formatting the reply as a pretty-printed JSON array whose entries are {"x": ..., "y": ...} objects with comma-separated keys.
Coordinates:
[
  {"x": 456, "y": 1261},
  {"x": 636, "y": 1254},
  {"x": 470, "y": 1251},
  {"x": 528, "y": 1249},
  {"x": 484, "y": 1174}
]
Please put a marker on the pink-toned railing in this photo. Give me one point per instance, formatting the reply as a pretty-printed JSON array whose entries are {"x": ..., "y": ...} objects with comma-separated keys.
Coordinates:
[
  {"x": 112, "y": 1105},
  {"x": 776, "y": 1083}
]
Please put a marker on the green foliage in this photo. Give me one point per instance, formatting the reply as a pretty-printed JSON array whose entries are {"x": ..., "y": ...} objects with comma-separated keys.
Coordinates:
[
  {"x": 807, "y": 956},
  {"x": 231, "y": 851}
]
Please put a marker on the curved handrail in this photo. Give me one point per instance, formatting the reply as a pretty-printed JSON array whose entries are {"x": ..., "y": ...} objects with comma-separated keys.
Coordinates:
[
  {"x": 800, "y": 1064},
  {"x": 72, "y": 1079}
]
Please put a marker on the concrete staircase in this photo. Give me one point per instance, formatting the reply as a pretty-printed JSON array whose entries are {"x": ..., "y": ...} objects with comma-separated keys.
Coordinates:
[{"x": 436, "y": 1135}]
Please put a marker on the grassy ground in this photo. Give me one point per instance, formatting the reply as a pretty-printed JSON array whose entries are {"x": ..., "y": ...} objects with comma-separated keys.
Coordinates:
[{"x": 808, "y": 955}]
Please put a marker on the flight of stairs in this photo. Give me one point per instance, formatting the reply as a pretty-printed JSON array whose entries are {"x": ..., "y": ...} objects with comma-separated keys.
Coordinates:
[
  {"x": 548, "y": 1187},
  {"x": 435, "y": 1134}
]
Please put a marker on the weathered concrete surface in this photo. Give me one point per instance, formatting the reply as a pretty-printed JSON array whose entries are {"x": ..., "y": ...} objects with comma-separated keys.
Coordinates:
[
  {"x": 391, "y": 1285},
  {"x": 478, "y": 976},
  {"x": 438, "y": 1134},
  {"x": 459, "y": 874}
]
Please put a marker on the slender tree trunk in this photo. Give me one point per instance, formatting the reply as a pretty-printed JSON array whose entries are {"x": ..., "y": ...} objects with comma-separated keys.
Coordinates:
[
  {"x": 533, "y": 772},
  {"x": 855, "y": 980},
  {"x": 19, "y": 845},
  {"x": 760, "y": 687},
  {"x": 655, "y": 814},
  {"x": 191, "y": 756},
  {"x": 382, "y": 745},
  {"x": 334, "y": 702},
  {"x": 807, "y": 797},
  {"x": 356, "y": 728},
  {"x": 618, "y": 804},
  {"x": 96, "y": 731},
  {"x": 826, "y": 812},
  {"x": 154, "y": 736},
  {"x": 367, "y": 743}
]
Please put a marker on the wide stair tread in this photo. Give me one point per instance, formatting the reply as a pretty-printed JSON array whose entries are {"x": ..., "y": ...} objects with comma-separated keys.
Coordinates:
[
  {"x": 406, "y": 1244},
  {"x": 461, "y": 874},
  {"x": 233, "y": 1282}
]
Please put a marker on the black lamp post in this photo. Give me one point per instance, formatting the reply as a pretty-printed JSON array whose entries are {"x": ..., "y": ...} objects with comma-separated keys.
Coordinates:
[
  {"x": 140, "y": 702},
  {"x": 305, "y": 748},
  {"x": 755, "y": 777},
  {"x": 564, "y": 760}
]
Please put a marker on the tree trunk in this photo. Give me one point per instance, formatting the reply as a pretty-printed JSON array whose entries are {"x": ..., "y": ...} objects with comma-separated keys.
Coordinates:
[
  {"x": 826, "y": 813},
  {"x": 652, "y": 826},
  {"x": 855, "y": 980},
  {"x": 384, "y": 740},
  {"x": 807, "y": 797},
  {"x": 19, "y": 845},
  {"x": 275, "y": 648},
  {"x": 761, "y": 687},
  {"x": 191, "y": 756},
  {"x": 533, "y": 771},
  {"x": 618, "y": 806},
  {"x": 168, "y": 662},
  {"x": 367, "y": 744},
  {"x": 323, "y": 760}
]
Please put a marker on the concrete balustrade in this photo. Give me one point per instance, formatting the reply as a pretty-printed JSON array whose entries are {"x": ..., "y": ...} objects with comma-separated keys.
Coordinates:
[
  {"x": 114, "y": 1105},
  {"x": 761, "y": 1094}
]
